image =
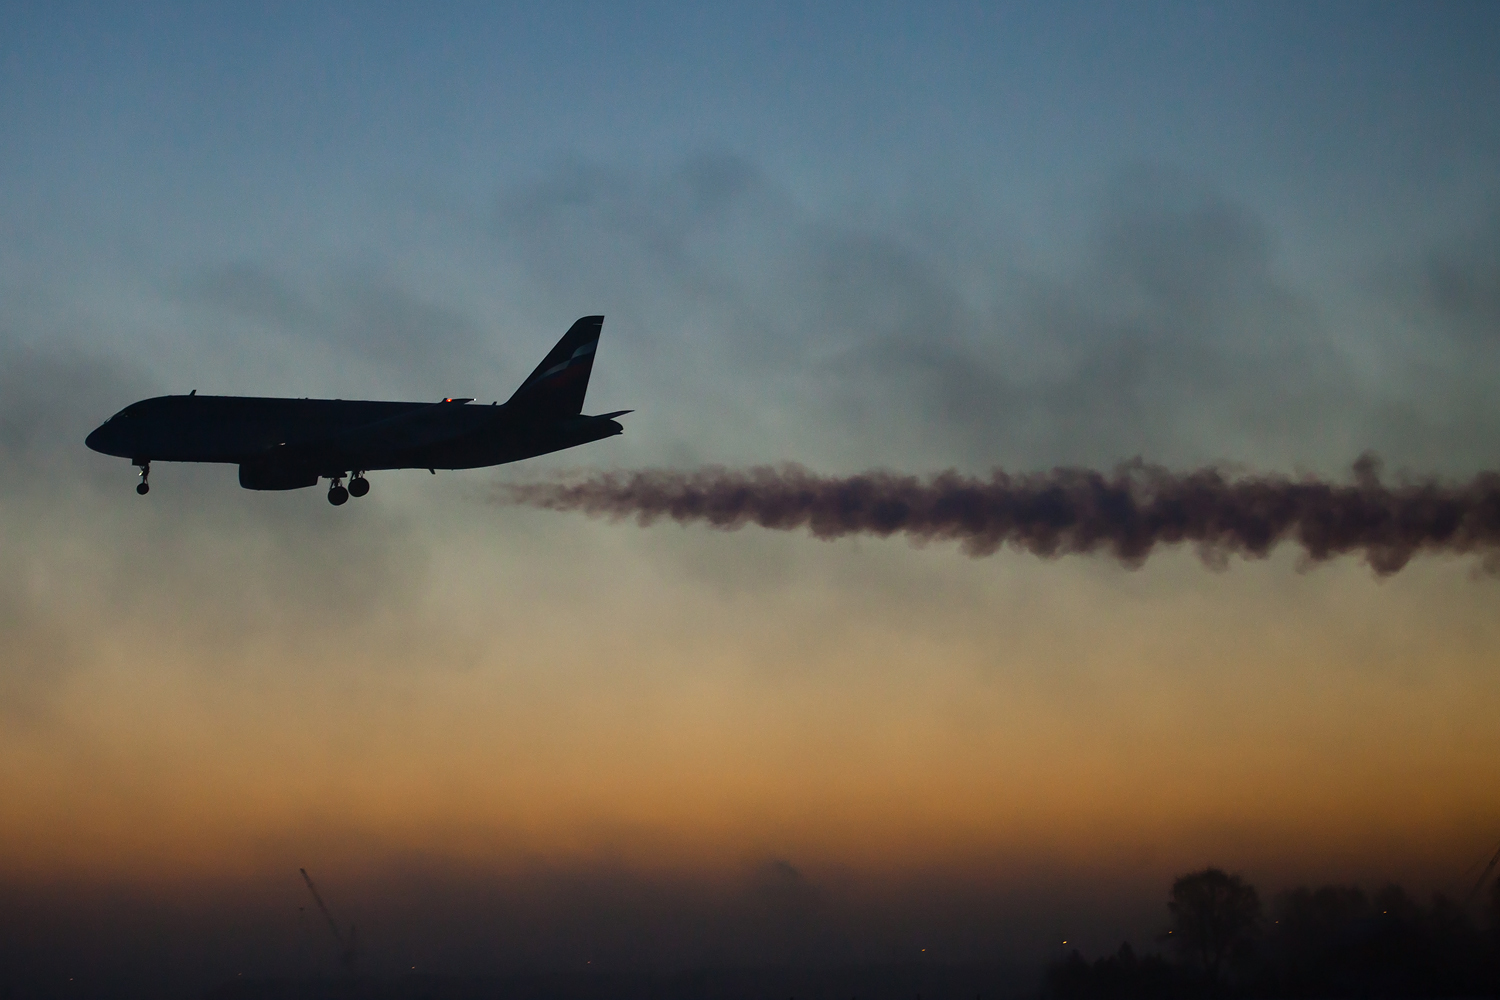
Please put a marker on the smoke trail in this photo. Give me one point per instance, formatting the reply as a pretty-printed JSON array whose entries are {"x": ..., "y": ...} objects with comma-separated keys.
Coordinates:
[{"x": 1066, "y": 511}]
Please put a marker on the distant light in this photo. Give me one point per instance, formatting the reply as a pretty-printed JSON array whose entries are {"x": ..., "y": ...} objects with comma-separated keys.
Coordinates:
[{"x": 1065, "y": 942}]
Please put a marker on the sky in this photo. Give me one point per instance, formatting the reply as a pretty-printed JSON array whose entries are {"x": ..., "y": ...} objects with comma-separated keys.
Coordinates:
[{"x": 849, "y": 236}]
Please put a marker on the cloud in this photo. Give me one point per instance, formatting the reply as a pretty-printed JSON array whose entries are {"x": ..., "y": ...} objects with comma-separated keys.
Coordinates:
[
  {"x": 1168, "y": 336},
  {"x": 1169, "y": 332},
  {"x": 199, "y": 566},
  {"x": 1459, "y": 282},
  {"x": 747, "y": 325},
  {"x": 1435, "y": 348},
  {"x": 357, "y": 314}
]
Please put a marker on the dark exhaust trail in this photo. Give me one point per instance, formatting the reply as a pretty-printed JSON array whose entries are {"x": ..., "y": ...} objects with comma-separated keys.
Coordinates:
[{"x": 1066, "y": 511}]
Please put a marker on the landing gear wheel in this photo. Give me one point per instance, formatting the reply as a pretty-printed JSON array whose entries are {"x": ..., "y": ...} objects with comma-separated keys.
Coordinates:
[
  {"x": 144, "y": 486},
  {"x": 337, "y": 495},
  {"x": 359, "y": 486}
]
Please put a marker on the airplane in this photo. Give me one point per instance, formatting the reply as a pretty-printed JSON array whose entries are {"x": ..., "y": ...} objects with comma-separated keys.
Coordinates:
[{"x": 290, "y": 444}]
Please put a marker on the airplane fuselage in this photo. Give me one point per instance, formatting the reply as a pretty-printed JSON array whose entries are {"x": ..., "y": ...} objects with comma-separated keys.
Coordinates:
[
  {"x": 332, "y": 436},
  {"x": 282, "y": 444}
]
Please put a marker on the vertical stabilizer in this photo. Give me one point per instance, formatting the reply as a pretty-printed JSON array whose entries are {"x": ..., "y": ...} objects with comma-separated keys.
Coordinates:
[{"x": 557, "y": 386}]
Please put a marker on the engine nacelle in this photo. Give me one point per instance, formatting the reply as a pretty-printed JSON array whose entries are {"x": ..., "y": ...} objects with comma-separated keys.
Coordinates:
[{"x": 276, "y": 477}]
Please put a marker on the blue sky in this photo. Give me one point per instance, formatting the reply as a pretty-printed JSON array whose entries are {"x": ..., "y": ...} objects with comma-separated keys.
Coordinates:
[{"x": 1371, "y": 111}]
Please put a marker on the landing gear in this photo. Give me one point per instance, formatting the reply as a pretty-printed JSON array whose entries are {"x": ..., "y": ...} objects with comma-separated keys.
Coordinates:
[
  {"x": 358, "y": 487},
  {"x": 144, "y": 486}
]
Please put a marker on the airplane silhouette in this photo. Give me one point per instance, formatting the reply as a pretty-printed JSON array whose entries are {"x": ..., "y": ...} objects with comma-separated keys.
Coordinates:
[{"x": 289, "y": 444}]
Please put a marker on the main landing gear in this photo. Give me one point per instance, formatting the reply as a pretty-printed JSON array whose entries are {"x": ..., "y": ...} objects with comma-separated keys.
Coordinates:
[
  {"x": 144, "y": 486},
  {"x": 358, "y": 487}
]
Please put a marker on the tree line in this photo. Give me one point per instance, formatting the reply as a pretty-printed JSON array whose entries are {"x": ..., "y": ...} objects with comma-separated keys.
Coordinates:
[{"x": 1326, "y": 942}]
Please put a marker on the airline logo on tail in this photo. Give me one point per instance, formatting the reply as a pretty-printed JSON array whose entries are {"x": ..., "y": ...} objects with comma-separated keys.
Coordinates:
[{"x": 569, "y": 364}]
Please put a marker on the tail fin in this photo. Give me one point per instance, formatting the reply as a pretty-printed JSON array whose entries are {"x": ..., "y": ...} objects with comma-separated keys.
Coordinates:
[{"x": 557, "y": 386}]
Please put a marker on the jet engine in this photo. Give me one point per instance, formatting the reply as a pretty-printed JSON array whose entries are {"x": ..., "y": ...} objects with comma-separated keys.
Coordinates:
[{"x": 276, "y": 477}]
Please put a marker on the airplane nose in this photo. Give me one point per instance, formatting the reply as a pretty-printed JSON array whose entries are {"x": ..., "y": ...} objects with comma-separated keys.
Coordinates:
[{"x": 99, "y": 440}]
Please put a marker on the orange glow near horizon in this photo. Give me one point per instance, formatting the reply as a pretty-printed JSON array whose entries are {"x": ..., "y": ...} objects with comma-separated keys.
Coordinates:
[{"x": 1036, "y": 717}]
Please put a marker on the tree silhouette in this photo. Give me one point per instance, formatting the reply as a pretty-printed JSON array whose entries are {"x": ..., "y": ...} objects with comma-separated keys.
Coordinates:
[
  {"x": 1121, "y": 976},
  {"x": 1213, "y": 915}
]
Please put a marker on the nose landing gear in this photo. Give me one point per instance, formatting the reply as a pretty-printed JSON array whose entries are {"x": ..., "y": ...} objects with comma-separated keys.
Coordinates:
[{"x": 144, "y": 486}]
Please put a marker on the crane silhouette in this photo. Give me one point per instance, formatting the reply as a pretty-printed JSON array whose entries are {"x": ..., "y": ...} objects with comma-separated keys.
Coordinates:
[{"x": 348, "y": 944}]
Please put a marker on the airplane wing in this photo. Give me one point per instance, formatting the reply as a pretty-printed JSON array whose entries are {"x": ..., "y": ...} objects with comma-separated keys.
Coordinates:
[
  {"x": 419, "y": 427},
  {"x": 414, "y": 429}
]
